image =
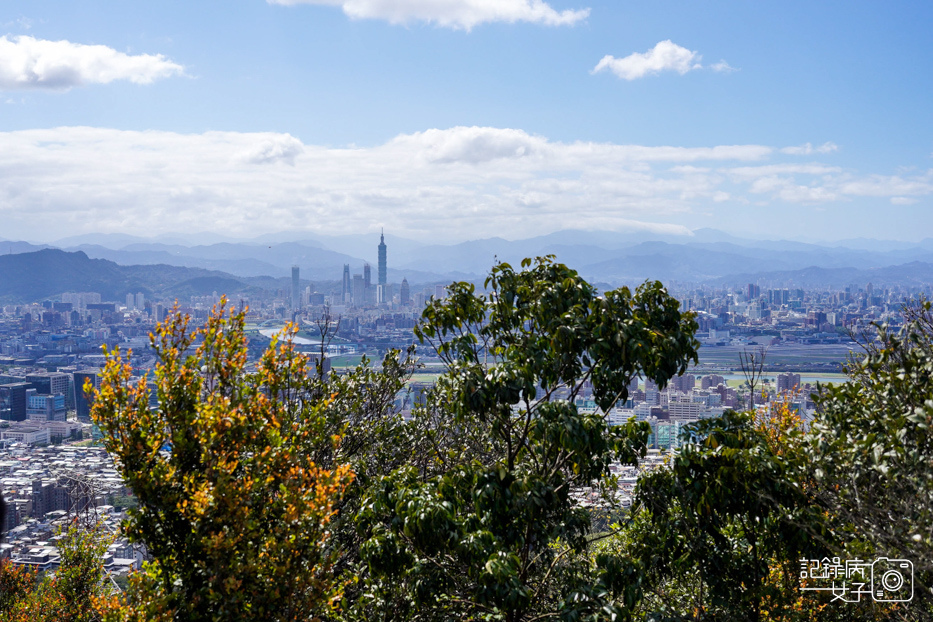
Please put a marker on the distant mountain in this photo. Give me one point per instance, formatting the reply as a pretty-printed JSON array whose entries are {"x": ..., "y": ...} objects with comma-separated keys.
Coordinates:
[
  {"x": 666, "y": 262},
  {"x": 605, "y": 256},
  {"x": 915, "y": 273},
  {"x": 119, "y": 240},
  {"x": 40, "y": 275},
  {"x": 9, "y": 248},
  {"x": 244, "y": 260}
]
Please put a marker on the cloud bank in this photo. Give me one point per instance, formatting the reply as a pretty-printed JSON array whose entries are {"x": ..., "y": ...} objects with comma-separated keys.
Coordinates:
[
  {"x": 663, "y": 57},
  {"x": 29, "y": 63},
  {"x": 451, "y": 184},
  {"x": 458, "y": 14}
]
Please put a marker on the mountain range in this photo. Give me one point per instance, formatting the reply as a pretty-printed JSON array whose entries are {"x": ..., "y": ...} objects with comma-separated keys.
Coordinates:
[{"x": 180, "y": 263}]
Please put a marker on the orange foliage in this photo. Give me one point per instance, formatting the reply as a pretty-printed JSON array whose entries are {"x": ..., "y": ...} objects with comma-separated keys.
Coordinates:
[
  {"x": 777, "y": 424},
  {"x": 232, "y": 509}
]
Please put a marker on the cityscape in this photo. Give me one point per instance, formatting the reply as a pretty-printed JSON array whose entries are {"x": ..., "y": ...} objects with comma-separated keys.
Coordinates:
[
  {"x": 500, "y": 310},
  {"x": 49, "y": 349}
]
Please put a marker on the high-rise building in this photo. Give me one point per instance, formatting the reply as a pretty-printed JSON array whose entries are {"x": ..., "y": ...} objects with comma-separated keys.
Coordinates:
[
  {"x": 45, "y": 407},
  {"x": 13, "y": 401},
  {"x": 130, "y": 302},
  {"x": 368, "y": 297},
  {"x": 359, "y": 290},
  {"x": 347, "y": 292},
  {"x": 382, "y": 259},
  {"x": 49, "y": 383},
  {"x": 296, "y": 294},
  {"x": 82, "y": 402},
  {"x": 683, "y": 383},
  {"x": 788, "y": 382},
  {"x": 404, "y": 293},
  {"x": 140, "y": 301}
]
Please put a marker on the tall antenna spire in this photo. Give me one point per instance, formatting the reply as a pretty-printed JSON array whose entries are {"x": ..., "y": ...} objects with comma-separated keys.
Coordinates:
[{"x": 382, "y": 258}]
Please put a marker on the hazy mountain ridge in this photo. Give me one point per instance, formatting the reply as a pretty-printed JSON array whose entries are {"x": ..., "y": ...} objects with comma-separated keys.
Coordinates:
[
  {"x": 914, "y": 273},
  {"x": 48, "y": 273},
  {"x": 708, "y": 255}
]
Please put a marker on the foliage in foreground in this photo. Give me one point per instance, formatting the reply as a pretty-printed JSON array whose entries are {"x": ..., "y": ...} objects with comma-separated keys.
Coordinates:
[
  {"x": 470, "y": 510},
  {"x": 871, "y": 450},
  {"x": 232, "y": 507},
  {"x": 70, "y": 594},
  {"x": 489, "y": 528}
]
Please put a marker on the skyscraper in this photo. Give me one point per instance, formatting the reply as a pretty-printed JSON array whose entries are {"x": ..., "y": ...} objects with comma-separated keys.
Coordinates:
[
  {"x": 359, "y": 290},
  {"x": 382, "y": 259},
  {"x": 296, "y": 294},
  {"x": 347, "y": 292},
  {"x": 404, "y": 293},
  {"x": 368, "y": 293}
]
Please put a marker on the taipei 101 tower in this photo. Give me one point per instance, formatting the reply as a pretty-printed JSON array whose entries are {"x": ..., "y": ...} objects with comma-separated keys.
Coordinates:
[{"x": 382, "y": 260}]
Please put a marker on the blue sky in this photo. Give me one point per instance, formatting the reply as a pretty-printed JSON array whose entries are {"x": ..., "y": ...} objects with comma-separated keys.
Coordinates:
[{"x": 459, "y": 119}]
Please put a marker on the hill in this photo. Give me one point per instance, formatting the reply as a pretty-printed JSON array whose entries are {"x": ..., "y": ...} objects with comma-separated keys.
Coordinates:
[{"x": 47, "y": 273}]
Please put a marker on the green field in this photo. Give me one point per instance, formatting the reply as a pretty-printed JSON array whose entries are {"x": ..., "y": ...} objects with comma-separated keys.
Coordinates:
[
  {"x": 344, "y": 361},
  {"x": 787, "y": 355}
]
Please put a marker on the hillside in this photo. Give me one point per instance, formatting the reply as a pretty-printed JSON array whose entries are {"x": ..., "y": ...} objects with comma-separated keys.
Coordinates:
[{"x": 38, "y": 275}]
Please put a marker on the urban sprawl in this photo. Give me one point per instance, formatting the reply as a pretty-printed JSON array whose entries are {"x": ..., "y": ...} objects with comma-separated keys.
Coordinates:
[{"x": 53, "y": 470}]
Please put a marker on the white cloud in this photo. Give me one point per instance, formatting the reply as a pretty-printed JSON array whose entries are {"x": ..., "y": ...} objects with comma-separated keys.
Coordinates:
[
  {"x": 888, "y": 185},
  {"x": 469, "y": 144},
  {"x": 30, "y": 63},
  {"x": 457, "y": 183},
  {"x": 752, "y": 172},
  {"x": 274, "y": 148},
  {"x": 459, "y": 14},
  {"x": 722, "y": 67},
  {"x": 807, "y": 149},
  {"x": 665, "y": 56}
]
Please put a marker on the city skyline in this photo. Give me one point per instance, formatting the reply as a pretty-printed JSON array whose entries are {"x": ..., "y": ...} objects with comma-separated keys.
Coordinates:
[{"x": 461, "y": 120}]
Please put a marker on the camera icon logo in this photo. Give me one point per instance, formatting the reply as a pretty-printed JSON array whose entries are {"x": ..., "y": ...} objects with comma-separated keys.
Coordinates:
[{"x": 892, "y": 580}]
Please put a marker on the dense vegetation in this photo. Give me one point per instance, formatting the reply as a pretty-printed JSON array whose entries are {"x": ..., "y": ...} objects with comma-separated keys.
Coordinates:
[{"x": 276, "y": 493}]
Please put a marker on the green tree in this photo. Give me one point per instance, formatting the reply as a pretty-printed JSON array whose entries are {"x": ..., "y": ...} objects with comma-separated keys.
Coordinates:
[
  {"x": 375, "y": 440},
  {"x": 232, "y": 506},
  {"x": 718, "y": 533},
  {"x": 485, "y": 524},
  {"x": 871, "y": 448},
  {"x": 70, "y": 594}
]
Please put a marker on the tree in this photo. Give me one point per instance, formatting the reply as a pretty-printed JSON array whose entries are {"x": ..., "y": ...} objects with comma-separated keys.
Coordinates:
[
  {"x": 71, "y": 594},
  {"x": 327, "y": 327},
  {"x": 871, "y": 448},
  {"x": 718, "y": 534},
  {"x": 752, "y": 365},
  {"x": 232, "y": 506},
  {"x": 486, "y": 523}
]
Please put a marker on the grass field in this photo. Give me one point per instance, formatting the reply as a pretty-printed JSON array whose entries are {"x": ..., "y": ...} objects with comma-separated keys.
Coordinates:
[
  {"x": 789, "y": 355},
  {"x": 342, "y": 361}
]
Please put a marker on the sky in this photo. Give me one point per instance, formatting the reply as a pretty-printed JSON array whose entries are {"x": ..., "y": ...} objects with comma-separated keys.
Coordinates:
[{"x": 449, "y": 120}]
